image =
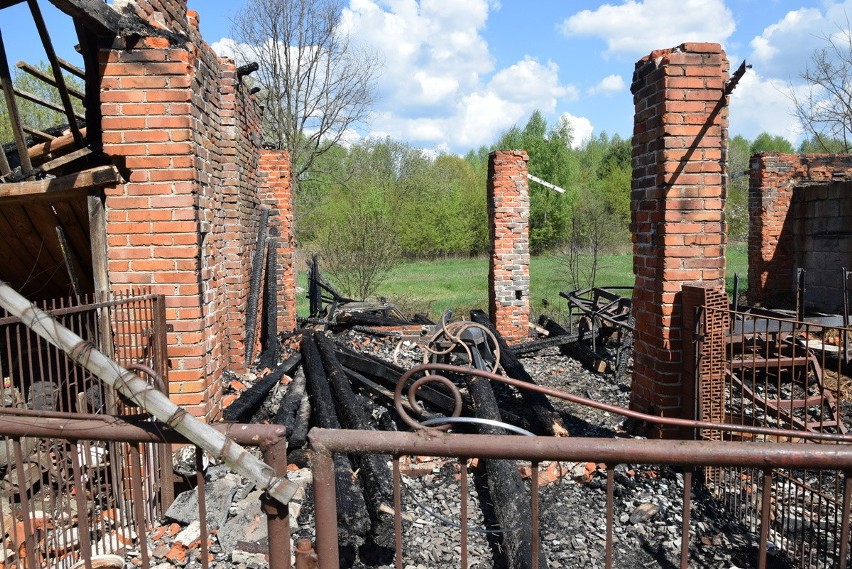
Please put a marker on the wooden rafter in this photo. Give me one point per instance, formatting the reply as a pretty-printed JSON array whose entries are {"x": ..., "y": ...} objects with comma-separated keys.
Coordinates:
[
  {"x": 92, "y": 14},
  {"x": 63, "y": 187}
]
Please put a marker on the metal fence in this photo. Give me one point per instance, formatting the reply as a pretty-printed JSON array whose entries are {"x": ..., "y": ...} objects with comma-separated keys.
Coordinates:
[
  {"x": 788, "y": 374},
  {"x": 67, "y": 499}
]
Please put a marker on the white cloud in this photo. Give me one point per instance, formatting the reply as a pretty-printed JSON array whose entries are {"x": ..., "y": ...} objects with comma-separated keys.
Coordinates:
[
  {"x": 608, "y": 85},
  {"x": 761, "y": 104},
  {"x": 581, "y": 129},
  {"x": 784, "y": 48},
  {"x": 637, "y": 27},
  {"x": 439, "y": 85}
]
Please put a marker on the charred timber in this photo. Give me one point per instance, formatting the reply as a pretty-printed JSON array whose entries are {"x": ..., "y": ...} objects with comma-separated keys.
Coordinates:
[
  {"x": 545, "y": 415},
  {"x": 378, "y": 484},
  {"x": 508, "y": 493},
  {"x": 574, "y": 348},
  {"x": 353, "y": 523},
  {"x": 250, "y": 400},
  {"x": 288, "y": 411}
]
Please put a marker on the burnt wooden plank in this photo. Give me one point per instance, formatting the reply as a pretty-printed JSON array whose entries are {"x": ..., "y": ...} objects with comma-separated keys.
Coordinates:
[
  {"x": 61, "y": 188},
  {"x": 546, "y": 416}
]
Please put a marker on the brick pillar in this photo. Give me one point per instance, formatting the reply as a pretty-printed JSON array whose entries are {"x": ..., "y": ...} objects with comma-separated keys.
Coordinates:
[
  {"x": 509, "y": 267},
  {"x": 276, "y": 184},
  {"x": 678, "y": 197}
]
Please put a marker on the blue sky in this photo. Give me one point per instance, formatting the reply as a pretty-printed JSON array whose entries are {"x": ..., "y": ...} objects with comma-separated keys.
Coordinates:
[{"x": 459, "y": 72}]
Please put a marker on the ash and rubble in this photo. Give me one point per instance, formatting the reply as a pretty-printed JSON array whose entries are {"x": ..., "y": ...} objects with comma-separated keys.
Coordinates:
[{"x": 648, "y": 499}]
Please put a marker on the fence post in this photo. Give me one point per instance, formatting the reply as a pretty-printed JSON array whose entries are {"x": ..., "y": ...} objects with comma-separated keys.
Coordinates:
[{"x": 277, "y": 514}]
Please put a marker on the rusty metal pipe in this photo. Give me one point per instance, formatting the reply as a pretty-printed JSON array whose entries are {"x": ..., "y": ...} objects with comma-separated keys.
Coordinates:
[
  {"x": 325, "y": 505},
  {"x": 610, "y": 451},
  {"x": 277, "y": 514},
  {"x": 668, "y": 421}
]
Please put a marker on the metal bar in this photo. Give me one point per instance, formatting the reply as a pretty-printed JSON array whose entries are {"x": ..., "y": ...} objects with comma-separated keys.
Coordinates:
[
  {"x": 397, "y": 512},
  {"x": 685, "y": 514},
  {"x": 277, "y": 514},
  {"x": 535, "y": 538},
  {"x": 325, "y": 508},
  {"x": 82, "y": 508},
  {"x": 23, "y": 493},
  {"x": 765, "y": 508},
  {"x": 463, "y": 513},
  {"x": 201, "y": 491},
  {"x": 57, "y": 71},
  {"x": 139, "y": 504},
  {"x": 671, "y": 452},
  {"x": 653, "y": 419},
  {"x": 844, "y": 526},
  {"x": 610, "y": 511}
]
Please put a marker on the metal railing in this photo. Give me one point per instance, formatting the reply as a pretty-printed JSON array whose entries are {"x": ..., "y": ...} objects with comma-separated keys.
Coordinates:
[
  {"x": 98, "y": 476},
  {"x": 688, "y": 455},
  {"x": 48, "y": 536},
  {"x": 789, "y": 374}
]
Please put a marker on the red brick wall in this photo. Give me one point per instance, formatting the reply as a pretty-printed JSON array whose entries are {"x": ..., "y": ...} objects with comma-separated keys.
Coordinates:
[
  {"x": 770, "y": 237},
  {"x": 678, "y": 196},
  {"x": 185, "y": 224},
  {"x": 509, "y": 267}
]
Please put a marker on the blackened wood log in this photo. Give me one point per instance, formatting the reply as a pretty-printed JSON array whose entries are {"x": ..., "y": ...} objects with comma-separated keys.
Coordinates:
[
  {"x": 548, "y": 419},
  {"x": 254, "y": 284},
  {"x": 302, "y": 421},
  {"x": 536, "y": 345},
  {"x": 422, "y": 319},
  {"x": 250, "y": 400},
  {"x": 363, "y": 319},
  {"x": 288, "y": 410},
  {"x": 574, "y": 349},
  {"x": 353, "y": 522},
  {"x": 375, "y": 473},
  {"x": 509, "y": 496},
  {"x": 388, "y": 374},
  {"x": 269, "y": 327}
]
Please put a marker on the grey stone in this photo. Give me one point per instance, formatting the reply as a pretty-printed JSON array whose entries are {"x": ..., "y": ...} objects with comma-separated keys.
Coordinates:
[{"x": 217, "y": 495}]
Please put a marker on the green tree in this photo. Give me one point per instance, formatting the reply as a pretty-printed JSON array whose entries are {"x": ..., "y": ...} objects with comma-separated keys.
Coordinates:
[
  {"x": 765, "y": 142},
  {"x": 736, "y": 205}
]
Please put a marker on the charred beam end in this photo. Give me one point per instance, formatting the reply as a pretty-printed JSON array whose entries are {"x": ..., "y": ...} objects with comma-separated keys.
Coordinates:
[
  {"x": 241, "y": 410},
  {"x": 545, "y": 415},
  {"x": 353, "y": 523},
  {"x": 376, "y": 477},
  {"x": 508, "y": 494},
  {"x": 247, "y": 69}
]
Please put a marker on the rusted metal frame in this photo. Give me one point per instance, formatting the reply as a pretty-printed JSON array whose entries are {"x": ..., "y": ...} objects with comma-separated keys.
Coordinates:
[
  {"x": 610, "y": 513},
  {"x": 463, "y": 515},
  {"x": 689, "y": 454},
  {"x": 139, "y": 503},
  {"x": 397, "y": 511},
  {"x": 277, "y": 514},
  {"x": 844, "y": 527},
  {"x": 82, "y": 509},
  {"x": 29, "y": 535},
  {"x": 669, "y": 421},
  {"x": 83, "y": 307},
  {"x": 535, "y": 499},
  {"x": 201, "y": 492},
  {"x": 14, "y": 116},
  {"x": 685, "y": 515},
  {"x": 325, "y": 506},
  {"x": 766, "y": 505}
]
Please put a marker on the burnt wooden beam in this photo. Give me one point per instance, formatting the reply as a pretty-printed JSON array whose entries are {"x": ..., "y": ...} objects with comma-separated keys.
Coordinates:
[
  {"x": 353, "y": 523},
  {"x": 573, "y": 347},
  {"x": 545, "y": 415},
  {"x": 64, "y": 160},
  {"x": 48, "y": 150},
  {"x": 12, "y": 107},
  {"x": 71, "y": 68},
  {"x": 508, "y": 493},
  {"x": 38, "y": 134},
  {"x": 92, "y": 14},
  {"x": 378, "y": 484},
  {"x": 269, "y": 320},
  {"x": 47, "y": 105},
  {"x": 63, "y": 187},
  {"x": 288, "y": 411},
  {"x": 44, "y": 77},
  {"x": 254, "y": 284},
  {"x": 250, "y": 400},
  {"x": 64, "y": 93}
]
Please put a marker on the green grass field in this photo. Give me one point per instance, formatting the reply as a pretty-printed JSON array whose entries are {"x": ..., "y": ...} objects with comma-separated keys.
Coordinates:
[{"x": 461, "y": 284}]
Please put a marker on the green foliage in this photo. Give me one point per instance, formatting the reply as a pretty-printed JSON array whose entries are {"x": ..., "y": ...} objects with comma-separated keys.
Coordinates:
[
  {"x": 765, "y": 142},
  {"x": 817, "y": 145},
  {"x": 736, "y": 206}
]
